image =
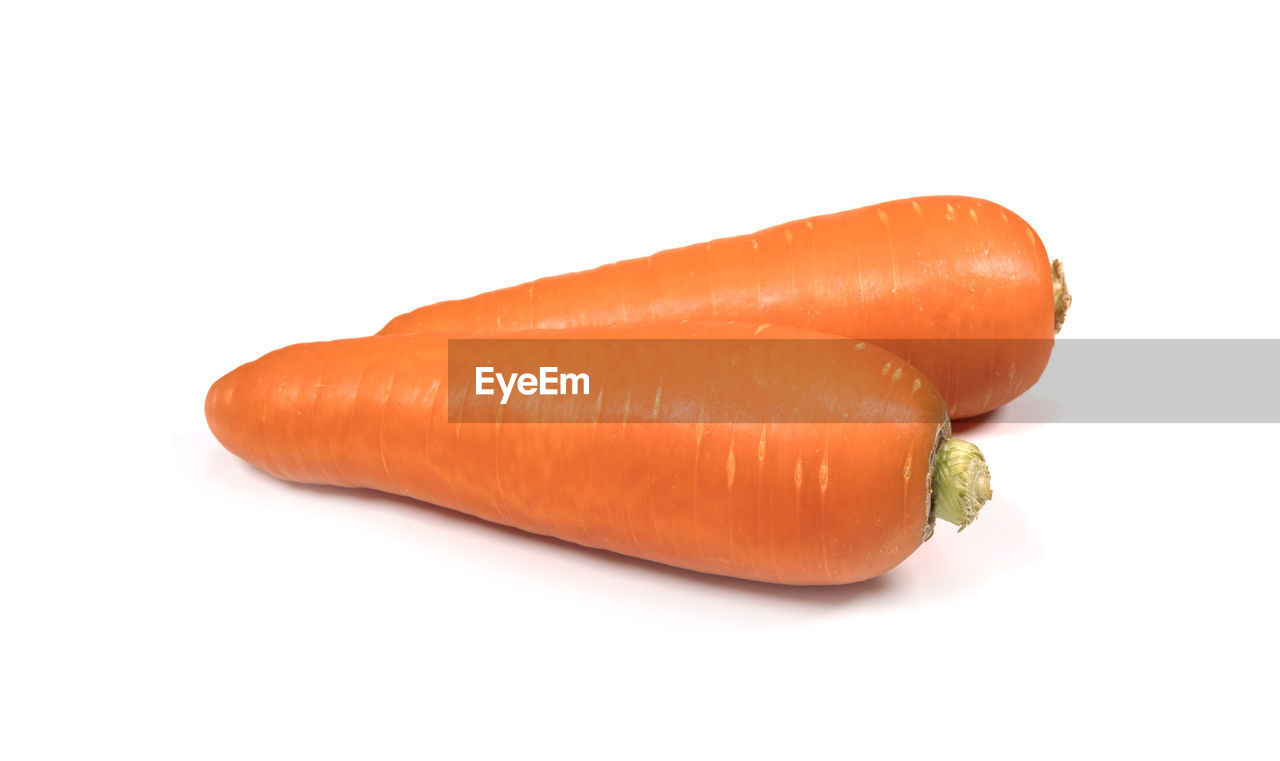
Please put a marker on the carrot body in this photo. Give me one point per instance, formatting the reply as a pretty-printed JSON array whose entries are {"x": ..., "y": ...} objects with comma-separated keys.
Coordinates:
[
  {"x": 793, "y": 503},
  {"x": 935, "y": 273}
]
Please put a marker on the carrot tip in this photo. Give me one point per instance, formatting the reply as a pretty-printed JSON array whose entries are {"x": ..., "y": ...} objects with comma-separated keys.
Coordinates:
[
  {"x": 961, "y": 482},
  {"x": 1061, "y": 296}
]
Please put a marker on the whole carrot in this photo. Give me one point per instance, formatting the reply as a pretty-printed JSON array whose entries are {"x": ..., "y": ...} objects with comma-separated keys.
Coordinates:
[
  {"x": 962, "y": 288},
  {"x": 787, "y": 502}
]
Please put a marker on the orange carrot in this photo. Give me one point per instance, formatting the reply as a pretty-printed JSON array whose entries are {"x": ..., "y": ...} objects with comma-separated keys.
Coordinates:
[
  {"x": 925, "y": 276},
  {"x": 795, "y": 503}
]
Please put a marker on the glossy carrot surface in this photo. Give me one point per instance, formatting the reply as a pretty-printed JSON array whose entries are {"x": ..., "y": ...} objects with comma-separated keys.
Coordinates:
[
  {"x": 964, "y": 286},
  {"x": 795, "y": 503}
]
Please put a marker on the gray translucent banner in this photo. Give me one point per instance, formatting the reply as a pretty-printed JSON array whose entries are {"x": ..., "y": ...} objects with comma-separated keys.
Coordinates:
[
  {"x": 638, "y": 381},
  {"x": 1154, "y": 381}
]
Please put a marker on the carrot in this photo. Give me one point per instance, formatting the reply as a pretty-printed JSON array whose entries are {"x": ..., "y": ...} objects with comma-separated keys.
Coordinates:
[
  {"x": 931, "y": 274},
  {"x": 787, "y": 502}
]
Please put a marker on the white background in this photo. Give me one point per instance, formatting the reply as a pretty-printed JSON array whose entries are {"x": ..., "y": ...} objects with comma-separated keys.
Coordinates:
[{"x": 184, "y": 186}]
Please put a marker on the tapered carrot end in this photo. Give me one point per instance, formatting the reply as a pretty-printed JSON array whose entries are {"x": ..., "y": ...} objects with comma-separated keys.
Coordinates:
[
  {"x": 226, "y": 411},
  {"x": 1061, "y": 297},
  {"x": 215, "y": 407},
  {"x": 961, "y": 482}
]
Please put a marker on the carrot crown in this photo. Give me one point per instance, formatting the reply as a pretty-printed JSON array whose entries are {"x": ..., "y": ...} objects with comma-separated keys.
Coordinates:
[
  {"x": 961, "y": 482},
  {"x": 1061, "y": 296}
]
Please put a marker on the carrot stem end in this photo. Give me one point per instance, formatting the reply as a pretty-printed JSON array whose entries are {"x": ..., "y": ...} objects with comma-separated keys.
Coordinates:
[
  {"x": 1061, "y": 296},
  {"x": 961, "y": 482}
]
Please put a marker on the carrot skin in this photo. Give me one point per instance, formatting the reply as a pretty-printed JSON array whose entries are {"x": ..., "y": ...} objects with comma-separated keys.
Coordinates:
[
  {"x": 963, "y": 284},
  {"x": 793, "y": 503}
]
